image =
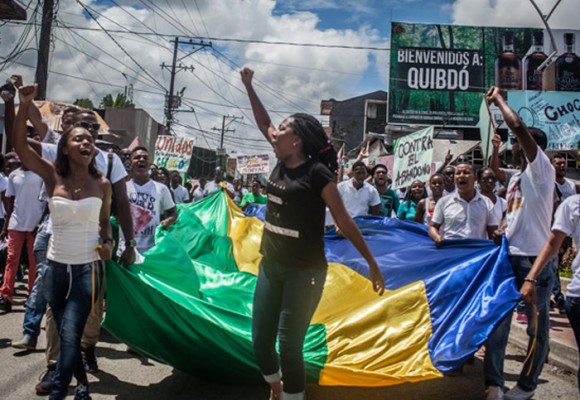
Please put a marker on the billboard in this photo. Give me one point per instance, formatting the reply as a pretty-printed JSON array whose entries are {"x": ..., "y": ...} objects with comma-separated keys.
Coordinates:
[
  {"x": 439, "y": 73},
  {"x": 557, "y": 114}
]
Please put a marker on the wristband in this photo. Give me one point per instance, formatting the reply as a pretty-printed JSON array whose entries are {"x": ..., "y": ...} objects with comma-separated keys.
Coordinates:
[
  {"x": 530, "y": 280},
  {"x": 107, "y": 240}
]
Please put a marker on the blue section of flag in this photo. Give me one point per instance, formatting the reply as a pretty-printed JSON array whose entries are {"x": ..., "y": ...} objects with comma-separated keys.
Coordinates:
[{"x": 470, "y": 283}]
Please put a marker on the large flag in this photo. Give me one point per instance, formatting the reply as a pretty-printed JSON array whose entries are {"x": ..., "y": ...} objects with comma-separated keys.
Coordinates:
[{"x": 189, "y": 304}]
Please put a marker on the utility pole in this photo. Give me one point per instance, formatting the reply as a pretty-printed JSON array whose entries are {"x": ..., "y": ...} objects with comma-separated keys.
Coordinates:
[
  {"x": 221, "y": 152},
  {"x": 173, "y": 101},
  {"x": 44, "y": 49}
]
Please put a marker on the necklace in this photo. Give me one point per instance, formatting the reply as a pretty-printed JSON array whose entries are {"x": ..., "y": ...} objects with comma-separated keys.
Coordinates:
[{"x": 75, "y": 191}]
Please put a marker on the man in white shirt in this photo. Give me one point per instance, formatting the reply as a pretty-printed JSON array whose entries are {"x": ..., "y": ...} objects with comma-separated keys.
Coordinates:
[
  {"x": 22, "y": 216},
  {"x": 358, "y": 195},
  {"x": 217, "y": 183},
  {"x": 449, "y": 180},
  {"x": 529, "y": 214},
  {"x": 198, "y": 190},
  {"x": 563, "y": 189},
  {"x": 148, "y": 199},
  {"x": 465, "y": 213},
  {"x": 180, "y": 193}
]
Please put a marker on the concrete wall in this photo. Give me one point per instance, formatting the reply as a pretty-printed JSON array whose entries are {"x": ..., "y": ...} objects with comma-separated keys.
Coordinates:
[{"x": 128, "y": 123}]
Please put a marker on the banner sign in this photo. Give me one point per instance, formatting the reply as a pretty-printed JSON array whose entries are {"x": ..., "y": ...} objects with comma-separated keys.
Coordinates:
[
  {"x": 173, "y": 152},
  {"x": 254, "y": 164},
  {"x": 413, "y": 156},
  {"x": 438, "y": 73},
  {"x": 557, "y": 114}
]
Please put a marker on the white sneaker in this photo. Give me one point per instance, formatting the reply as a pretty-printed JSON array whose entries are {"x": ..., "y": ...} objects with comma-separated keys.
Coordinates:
[
  {"x": 517, "y": 393},
  {"x": 494, "y": 393}
]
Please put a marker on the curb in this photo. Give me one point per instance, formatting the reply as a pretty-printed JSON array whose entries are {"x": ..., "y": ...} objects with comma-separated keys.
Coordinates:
[{"x": 561, "y": 354}]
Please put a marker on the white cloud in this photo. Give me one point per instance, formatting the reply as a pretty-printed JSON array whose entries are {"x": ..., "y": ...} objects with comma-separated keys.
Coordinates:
[
  {"x": 291, "y": 78},
  {"x": 516, "y": 13}
]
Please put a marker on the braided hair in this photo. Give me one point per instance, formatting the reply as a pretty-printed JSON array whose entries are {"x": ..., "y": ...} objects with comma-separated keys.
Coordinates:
[{"x": 315, "y": 143}]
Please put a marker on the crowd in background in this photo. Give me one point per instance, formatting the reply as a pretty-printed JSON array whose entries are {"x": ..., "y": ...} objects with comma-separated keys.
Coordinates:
[{"x": 460, "y": 201}]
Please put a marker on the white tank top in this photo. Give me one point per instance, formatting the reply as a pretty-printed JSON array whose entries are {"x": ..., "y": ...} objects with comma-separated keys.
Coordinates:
[{"x": 75, "y": 230}]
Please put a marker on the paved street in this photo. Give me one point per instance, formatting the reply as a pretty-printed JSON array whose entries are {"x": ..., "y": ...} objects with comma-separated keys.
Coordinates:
[{"x": 124, "y": 376}]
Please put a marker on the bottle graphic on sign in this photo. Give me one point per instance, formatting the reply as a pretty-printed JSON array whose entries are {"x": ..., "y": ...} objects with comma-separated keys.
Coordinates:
[
  {"x": 532, "y": 77},
  {"x": 508, "y": 66},
  {"x": 568, "y": 67}
]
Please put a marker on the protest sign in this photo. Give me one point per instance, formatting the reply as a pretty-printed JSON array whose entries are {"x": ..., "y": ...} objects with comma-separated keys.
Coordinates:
[
  {"x": 254, "y": 164},
  {"x": 173, "y": 152},
  {"x": 557, "y": 114},
  {"x": 413, "y": 156}
]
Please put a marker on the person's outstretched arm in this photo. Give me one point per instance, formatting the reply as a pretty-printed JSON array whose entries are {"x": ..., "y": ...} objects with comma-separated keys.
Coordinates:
[
  {"x": 350, "y": 230},
  {"x": 494, "y": 163},
  {"x": 515, "y": 123},
  {"x": 29, "y": 157},
  {"x": 260, "y": 114},
  {"x": 550, "y": 249}
]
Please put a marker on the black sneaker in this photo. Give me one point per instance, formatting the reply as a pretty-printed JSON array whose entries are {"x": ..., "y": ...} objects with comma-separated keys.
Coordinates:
[
  {"x": 82, "y": 392},
  {"x": 5, "y": 305},
  {"x": 561, "y": 304},
  {"x": 90, "y": 360},
  {"x": 46, "y": 383}
]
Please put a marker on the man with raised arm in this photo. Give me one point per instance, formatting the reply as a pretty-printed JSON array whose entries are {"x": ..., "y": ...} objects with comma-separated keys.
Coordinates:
[{"x": 529, "y": 213}]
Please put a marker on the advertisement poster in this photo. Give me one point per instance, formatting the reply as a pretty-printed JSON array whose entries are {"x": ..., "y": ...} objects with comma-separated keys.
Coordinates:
[
  {"x": 413, "y": 157},
  {"x": 439, "y": 73},
  {"x": 173, "y": 152},
  {"x": 557, "y": 114},
  {"x": 254, "y": 164}
]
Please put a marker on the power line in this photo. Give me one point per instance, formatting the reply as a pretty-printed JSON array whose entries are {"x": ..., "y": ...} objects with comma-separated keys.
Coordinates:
[
  {"x": 118, "y": 44},
  {"x": 218, "y": 39}
]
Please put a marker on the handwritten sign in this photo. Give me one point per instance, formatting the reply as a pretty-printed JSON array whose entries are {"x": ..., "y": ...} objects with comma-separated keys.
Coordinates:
[
  {"x": 254, "y": 164},
  {"x": 413, "y": 157},
  {"x": 173, "y": 152}
]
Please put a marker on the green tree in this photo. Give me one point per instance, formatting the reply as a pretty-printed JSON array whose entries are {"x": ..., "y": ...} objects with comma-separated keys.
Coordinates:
[
  {"x": 84, "y": 103},
  {"x": 119, "y": 101}
]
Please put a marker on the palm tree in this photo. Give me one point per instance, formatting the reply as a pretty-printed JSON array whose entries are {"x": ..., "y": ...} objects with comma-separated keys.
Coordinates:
[
  {"x": 120, "y": 101},
  {"x": 84, "y": 103}
]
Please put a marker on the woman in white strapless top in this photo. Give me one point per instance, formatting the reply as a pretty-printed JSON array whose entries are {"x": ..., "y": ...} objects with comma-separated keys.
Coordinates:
[{"x": 80, "y": 201}]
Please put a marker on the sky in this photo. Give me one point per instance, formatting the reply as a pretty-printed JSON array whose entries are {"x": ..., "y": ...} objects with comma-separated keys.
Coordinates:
[{"x": 102, "y": 46}]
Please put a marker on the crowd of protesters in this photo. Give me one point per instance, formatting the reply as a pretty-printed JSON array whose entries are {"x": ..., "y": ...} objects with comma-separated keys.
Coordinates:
[{"x": 50, "y": 170}]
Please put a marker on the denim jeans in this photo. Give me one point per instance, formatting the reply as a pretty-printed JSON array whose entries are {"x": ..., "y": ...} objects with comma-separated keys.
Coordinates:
[
  {"x": 36, "y": 303},
  {"x": 69, "y": 291},
  {"x": 284, "y": 302},
  {"x": 573, "y": 313},
  {"x": 497, "y": 342}
]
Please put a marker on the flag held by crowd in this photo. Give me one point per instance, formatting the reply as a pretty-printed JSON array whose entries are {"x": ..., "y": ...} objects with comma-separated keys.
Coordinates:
[{"x": 189, "y": 304}]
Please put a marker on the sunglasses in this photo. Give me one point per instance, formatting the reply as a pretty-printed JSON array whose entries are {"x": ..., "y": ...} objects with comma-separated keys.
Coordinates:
[
  {"x": 513, "y": 140},
  {"x": 88, "y": 126}
]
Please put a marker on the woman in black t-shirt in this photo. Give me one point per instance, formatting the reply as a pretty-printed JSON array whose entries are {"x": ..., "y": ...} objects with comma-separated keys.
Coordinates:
[{"x": 293, "y": 268}]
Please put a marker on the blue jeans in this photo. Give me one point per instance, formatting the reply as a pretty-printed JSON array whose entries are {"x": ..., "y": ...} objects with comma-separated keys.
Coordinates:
[
  {"x": 497, "y": 342},
  {"x": 69, "y": 291},
  {"x": 284, "y": 302},
  {"x": 36, "y": 303},
  {"x": 573, "y": 313}
]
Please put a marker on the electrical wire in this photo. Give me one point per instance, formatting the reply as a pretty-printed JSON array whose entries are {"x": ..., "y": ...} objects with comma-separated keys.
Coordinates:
[
  {"x": 218, "y": 39},
  {"x": 119, "y": 45}
]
